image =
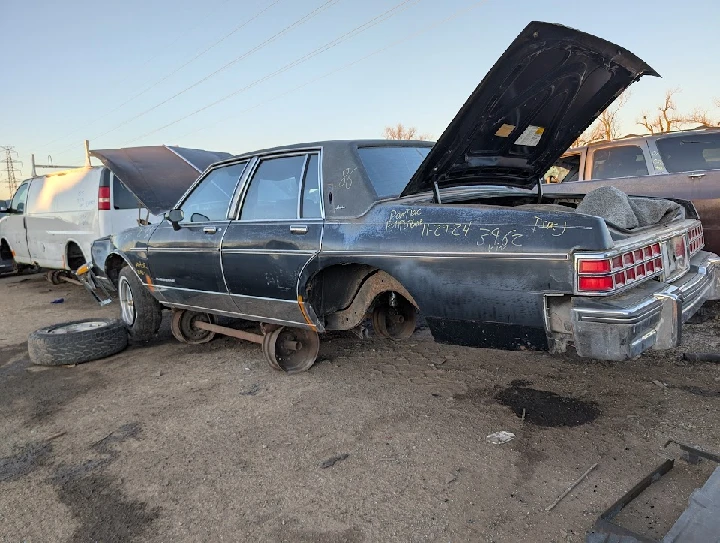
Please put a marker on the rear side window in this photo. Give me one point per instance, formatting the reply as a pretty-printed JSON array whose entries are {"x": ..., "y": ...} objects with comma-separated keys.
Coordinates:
[
  {"x": 690, "y": 152},
  {"x": 619, "y": 161},
  {"x": 390, "y": 168},
  {"x": 122, "y": 197}
]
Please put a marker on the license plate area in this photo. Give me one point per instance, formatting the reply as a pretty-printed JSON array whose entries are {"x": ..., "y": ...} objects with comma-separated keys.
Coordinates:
[{"x": 677, "y": 261}]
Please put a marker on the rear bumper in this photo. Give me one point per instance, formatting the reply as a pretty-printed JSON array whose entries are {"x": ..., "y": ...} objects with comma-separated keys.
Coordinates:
[{"x": 648, "y": 317}]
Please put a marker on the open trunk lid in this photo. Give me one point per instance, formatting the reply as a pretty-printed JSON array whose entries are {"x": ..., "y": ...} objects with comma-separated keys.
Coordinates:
[
  {"x": 543, "y": 92},
  {"x": 158, "y": 175}
]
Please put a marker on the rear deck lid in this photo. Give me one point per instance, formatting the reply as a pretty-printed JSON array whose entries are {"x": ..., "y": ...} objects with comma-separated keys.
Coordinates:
[{"x": 543, "y": 92}]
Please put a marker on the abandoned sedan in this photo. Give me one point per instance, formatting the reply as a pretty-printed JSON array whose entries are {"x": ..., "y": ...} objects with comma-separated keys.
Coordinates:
[{"x": 320, "y": 236}]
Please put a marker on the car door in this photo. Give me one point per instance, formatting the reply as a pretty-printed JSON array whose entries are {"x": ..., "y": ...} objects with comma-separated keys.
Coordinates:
[
  {"x": 14, "y": 226},
  {"x": 276, "y": 238},
  {"x": 185, "y": 263}
]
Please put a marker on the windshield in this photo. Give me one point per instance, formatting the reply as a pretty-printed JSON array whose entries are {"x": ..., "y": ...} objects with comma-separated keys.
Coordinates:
[
  {"x": 390, "y": 168},
  {"x": 690, "y": 152}
]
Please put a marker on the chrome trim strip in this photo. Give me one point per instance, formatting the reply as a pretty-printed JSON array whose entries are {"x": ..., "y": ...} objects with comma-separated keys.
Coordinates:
[
  {"x": 242, "y": 183},
  {"x": 209, "y": 292},
  {"x": 183, "y": 250},
  {"x": 239, "y": 315},
  {"x": 451, "y": 254},
  {"x": 268, "y": 252},
  {"x": 302, "y": 184}
]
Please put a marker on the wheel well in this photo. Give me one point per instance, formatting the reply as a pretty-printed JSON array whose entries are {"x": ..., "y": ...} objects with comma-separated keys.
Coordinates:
[
  {"x": 74, "y": 256},
  {"x": 343, "y": 294},
  {"x": 113, "y": 265},
  {"x": 5, "y": 252}
]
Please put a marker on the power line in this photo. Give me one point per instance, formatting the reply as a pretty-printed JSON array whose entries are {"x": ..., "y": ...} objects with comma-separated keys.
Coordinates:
[
  {"x": 301, "y": 21},
  {"x": 405, "y": 38},
  {"x": 344, "y": 37},
  {"x": 176, "y": 70},
  {"x": 10, "y": 169}
]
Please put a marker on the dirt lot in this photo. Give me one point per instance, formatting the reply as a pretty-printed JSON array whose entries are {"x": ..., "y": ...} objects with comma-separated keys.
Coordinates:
[{"x": 380, "y": 441}]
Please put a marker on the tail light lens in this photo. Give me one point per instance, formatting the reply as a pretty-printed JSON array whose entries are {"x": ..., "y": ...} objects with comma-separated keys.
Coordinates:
[
  {"x": 696, "y": 239},
  {"x": 104, "y": 198},
  {"x": 603, "y": 283},
  {"x": 604, "y": 275}
]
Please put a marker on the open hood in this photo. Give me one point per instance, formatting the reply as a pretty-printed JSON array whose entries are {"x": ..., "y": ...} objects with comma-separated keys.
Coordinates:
[
  {"x": 543, "y": 92},
  {"x": 158, "y": 175}
]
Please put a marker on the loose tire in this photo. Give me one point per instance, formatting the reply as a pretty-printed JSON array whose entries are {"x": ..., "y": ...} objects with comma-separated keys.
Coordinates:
[
  {"x": 141, "y": 313},
  {"x": 76, "y": 342}
]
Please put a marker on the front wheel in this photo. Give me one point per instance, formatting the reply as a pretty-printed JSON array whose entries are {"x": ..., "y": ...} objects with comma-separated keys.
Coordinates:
[{"x": 141, "y": 313}]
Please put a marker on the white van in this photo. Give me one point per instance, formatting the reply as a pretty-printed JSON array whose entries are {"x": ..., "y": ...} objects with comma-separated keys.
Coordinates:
[{"x": 53, "y": 219}]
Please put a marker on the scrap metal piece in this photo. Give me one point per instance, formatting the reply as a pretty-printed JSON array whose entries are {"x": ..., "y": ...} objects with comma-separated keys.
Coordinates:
[{"x": 606, "y": 531}]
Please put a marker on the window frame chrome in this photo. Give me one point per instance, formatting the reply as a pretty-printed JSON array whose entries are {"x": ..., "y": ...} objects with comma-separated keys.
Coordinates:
[{"x": 242, "y": 193}]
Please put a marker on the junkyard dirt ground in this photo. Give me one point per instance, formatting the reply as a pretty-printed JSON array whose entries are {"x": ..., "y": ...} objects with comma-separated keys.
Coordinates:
[{"x": 380, "y": 441}]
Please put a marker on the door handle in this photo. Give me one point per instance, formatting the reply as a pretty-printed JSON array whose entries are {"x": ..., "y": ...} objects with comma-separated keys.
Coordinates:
[
  {"x": 210, "y": 229},
  {"x": 696, "y": 175},
  {"x": 298, "y": 229}
]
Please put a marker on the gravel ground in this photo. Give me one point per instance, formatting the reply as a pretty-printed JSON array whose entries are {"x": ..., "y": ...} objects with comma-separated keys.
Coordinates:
[{"x": 380, "y": 441}]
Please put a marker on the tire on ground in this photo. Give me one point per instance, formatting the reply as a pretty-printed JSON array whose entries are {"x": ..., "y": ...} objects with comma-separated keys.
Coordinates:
[
  {"x": 148, "y": 311},
  {"x": 48, "y": 347}
]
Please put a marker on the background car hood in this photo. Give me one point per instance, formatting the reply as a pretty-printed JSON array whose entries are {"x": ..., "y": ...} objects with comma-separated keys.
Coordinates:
[
  {"x": 158, "y": 175},
  {"x": 543, "y": 92}
]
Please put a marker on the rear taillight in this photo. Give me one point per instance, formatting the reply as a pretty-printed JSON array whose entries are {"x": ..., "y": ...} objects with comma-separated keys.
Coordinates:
[
  {"x": 602, "y": 275},
  {"x": 104, "y": 198},
  {"x": 696, "y": 239}
]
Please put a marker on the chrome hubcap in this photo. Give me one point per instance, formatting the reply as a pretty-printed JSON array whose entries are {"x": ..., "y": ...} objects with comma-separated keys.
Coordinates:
[
  {"x": 77, "y": 327},
  {"x": 127, "y": 305}
]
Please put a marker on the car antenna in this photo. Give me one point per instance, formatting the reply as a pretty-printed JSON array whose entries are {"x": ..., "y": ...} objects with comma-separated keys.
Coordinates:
[{"x": 436, "y": 190}]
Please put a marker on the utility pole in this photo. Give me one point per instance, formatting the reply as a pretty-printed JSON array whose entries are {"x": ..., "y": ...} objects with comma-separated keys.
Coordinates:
[{"x": 10, "y": 169}]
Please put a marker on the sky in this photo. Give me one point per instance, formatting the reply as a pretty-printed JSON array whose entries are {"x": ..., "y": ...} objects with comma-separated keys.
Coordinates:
[{"x": 235, "y": 76}]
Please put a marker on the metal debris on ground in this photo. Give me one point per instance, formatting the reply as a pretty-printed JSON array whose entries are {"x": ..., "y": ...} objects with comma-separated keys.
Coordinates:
[
  {"x": 330, "y": 462},
  {"x": 498, "y": 438},
  {"x": 570, "y": 488}
]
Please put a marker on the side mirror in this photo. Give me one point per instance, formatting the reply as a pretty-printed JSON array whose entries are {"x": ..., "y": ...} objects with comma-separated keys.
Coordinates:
[{"x": 175, "y": 216}]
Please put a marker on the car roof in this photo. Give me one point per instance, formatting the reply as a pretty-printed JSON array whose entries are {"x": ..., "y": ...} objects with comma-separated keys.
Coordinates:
[
  {"x": 635, "y": 138},
  {"x": 330, "y": 144}
]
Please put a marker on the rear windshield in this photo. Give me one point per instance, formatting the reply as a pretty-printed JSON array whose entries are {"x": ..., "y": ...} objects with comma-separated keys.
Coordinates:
[
  {"x": 390, "y": 168},
  {"x": 690, "y": 152}
]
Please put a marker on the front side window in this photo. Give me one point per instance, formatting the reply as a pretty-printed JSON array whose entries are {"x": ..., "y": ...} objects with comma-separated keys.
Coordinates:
[
  {"x": 274, "y": 189},
  {"x": 619, "y": 161},
  {"x": 210, "y": 200},
  {"x": 18, "y": 201},
  {"x": 566, "y": 169},
  {"x": 390, "y": 168},
  {"x": 690, "y": 152}
]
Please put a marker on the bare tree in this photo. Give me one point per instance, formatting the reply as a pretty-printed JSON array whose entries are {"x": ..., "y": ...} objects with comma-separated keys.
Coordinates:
[
  {"x": 607, "y": 126},
  {"x": 401, "y": 132}
]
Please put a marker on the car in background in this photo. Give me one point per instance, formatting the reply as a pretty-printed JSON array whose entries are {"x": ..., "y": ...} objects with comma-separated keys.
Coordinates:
[
  {"x": 53, "y": 219},
  {"x": 6, "y": 264},
  {"x": 682, "y": 164}
]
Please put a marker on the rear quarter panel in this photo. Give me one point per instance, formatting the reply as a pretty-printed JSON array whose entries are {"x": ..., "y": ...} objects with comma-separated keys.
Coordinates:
[{"x": 466, "y": 265}]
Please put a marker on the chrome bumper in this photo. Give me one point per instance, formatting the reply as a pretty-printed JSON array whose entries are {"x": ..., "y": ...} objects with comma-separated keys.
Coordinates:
[{"x": 647, "y": 317}]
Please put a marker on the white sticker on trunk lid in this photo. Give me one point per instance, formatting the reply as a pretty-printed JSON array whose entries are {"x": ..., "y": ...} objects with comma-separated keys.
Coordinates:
[{"x": 531, "y": 136}]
